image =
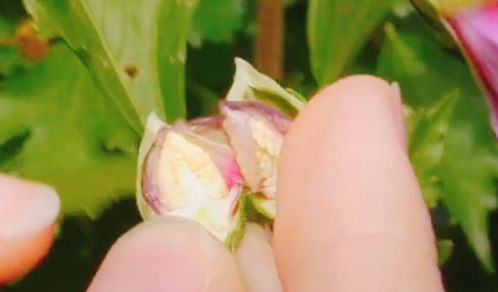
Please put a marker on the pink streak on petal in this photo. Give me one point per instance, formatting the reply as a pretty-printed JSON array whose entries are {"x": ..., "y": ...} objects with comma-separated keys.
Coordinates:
[{"x": 233, "y": 176}]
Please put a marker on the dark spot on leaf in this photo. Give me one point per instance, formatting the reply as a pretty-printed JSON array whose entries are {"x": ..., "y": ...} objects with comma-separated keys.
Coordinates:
[
  {"x": 84, "y": 56},
  {"x": 131, "y": 71},
  {"x": 110, "y": 150},
  {"x": 56, "y": 41},
  {"x": 13, "y": 146}
]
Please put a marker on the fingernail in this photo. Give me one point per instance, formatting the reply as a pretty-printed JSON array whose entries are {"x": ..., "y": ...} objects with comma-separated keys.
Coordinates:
[
  {"x": 25, "y": 207},
  {"x": 398, "y": 112}
]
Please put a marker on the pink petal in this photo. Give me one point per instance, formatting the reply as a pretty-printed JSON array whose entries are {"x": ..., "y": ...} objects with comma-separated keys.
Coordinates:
[
  {"x": 237, "y": 126},
  {"x": 151, "y": 191},
  {"x": 209, "y": 135},
  {"x": 238, "y": 115}
]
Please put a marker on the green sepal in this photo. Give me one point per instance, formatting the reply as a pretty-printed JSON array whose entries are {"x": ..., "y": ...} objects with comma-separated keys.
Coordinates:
[
  {"x": 241, "y": 218},
  {"x": 249, "y": 84},
  {"x": 264, "y": 206}
]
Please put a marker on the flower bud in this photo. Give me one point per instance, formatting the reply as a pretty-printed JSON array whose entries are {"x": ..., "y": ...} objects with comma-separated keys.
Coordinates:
[
  {"x": 210, "y": 169},
  {"x": 256, "y": 131},
  {"x": 190, "y": 171}
]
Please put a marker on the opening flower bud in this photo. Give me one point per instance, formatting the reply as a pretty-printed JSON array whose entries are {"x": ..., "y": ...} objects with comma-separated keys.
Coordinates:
[
  {"x": 190, "y": 171},
  {"x": 256, "y": 131},
  {"x": 219, "y": 171}
]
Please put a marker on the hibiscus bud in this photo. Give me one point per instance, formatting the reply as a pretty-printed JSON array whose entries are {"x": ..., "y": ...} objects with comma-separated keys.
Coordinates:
[
  {"x": 256, "y": 131},
  {"x": 190, "y": 171}
]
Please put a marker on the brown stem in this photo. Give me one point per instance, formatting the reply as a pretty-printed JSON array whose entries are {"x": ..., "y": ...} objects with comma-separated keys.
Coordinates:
[{"x": 269, "y": 38}]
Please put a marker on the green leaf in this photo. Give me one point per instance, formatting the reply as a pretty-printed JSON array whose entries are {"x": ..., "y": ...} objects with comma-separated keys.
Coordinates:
[
  {"x": 130, "y": 49},
  {"x": 337, "y": 30},
  {"x": 469, "y": 188},
  {"x": 444, "y": 251},
  {"x": 216, "y": 20},
  {"x": 249, "y": 84},
  {"x": 58, "y": 128},
  {"x": 428, "y": 10},
  {"x": 423, "y": 69},
  {"x": 11, "y": 62},
  {"x": 173, "y": 26},
  {"x": 426, "y": 72},
  {"x": 426, "y": 146}
]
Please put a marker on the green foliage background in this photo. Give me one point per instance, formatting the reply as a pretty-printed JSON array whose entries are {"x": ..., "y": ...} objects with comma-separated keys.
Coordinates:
[{"x": 75, "y": 119}]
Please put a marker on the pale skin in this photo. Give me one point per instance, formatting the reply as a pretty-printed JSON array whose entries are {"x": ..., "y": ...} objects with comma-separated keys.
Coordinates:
[{"x": 350, "y": 216}]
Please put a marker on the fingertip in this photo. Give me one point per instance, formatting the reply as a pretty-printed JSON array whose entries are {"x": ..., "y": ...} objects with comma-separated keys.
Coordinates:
[
  {"x": 28, "y": 211},
  {"x": 256, "y": 262},
  {"x": 26, "y": 207},
  {"x": 168, "y": 254},
  {"x": 344, "y": 174},
  {"x": 19, "y": 256},
  {"x": 359, "y": 82}
]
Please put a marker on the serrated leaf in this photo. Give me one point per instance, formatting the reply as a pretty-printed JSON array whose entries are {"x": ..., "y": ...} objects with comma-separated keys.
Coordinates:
[
  {"x": 332, "y": 47},
  {"x": 426, "y": 146},
  {"x": 423, "y": 69},
  {"x": 73, "y": 137},
  {"x": 426, "y": 72},
  {"x": 469, "y": 189},
  {"x": 127, "y": 48},
  {"x": 249, "y": 84}
]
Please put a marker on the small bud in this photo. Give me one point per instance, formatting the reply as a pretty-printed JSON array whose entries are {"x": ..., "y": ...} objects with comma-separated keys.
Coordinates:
[{"x": 190, "y": 171}]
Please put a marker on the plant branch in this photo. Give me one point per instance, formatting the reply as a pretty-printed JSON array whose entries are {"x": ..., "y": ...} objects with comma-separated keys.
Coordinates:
[{"x": 269, "y": 38}]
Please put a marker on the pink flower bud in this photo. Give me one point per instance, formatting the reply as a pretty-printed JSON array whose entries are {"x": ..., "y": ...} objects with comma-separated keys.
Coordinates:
[
  {"x": 212, "y": 170},
  {"x": 190, "y": 171}
]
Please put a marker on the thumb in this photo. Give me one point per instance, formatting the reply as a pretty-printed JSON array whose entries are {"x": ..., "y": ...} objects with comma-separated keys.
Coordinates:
[
  {"x": 28, "y": 211},
  {"x": 168, "y": 254},
  {"x": 351, "y": 216}
]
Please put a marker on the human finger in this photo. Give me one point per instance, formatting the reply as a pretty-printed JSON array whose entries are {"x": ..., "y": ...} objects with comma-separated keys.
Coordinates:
[
  {"x": 168, "y": 254},
  {"x": 351, "y": 216},
  {"x": 28, "y": 211},
  {"x": 256, "y": 261}
]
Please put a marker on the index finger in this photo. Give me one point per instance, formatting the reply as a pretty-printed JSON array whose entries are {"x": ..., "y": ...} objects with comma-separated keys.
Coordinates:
[
  {"x": 350, "y": 212},
  {"x": 28, "y": 212}
]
